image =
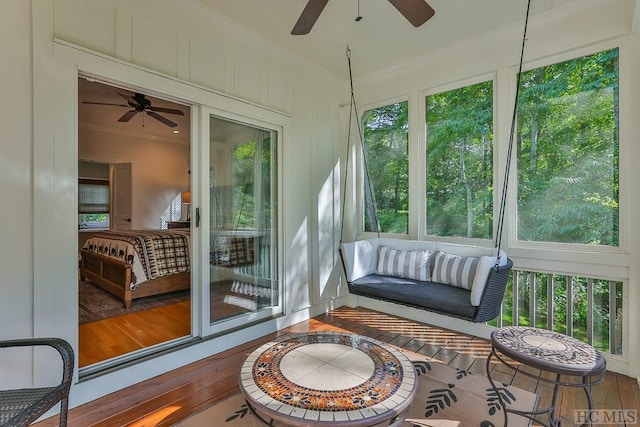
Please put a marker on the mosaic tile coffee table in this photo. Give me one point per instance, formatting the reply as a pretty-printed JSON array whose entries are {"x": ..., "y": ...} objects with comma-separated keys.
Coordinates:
[
  {"x": 328, "y": 379},
  {"x": 579, "y": 363}
]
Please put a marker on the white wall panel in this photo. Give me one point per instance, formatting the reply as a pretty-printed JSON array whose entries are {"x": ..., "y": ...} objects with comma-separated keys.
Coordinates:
[
  {"x": 154, "y": 47},
  {"x": 89, "y": 23},
  {"x": 16, "y": 252},
  {"x": 247, "y": 80},
  {"x": 279, "y": 91},
  {"x": 207, "y": 65}
]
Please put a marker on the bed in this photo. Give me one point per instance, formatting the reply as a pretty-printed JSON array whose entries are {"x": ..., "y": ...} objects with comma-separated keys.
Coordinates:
[{"x": 133, "y": 264}]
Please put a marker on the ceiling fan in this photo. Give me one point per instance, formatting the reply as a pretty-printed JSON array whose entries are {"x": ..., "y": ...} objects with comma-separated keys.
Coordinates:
[
  {"x": 417, "y": 12},
  {"x": 140, "y": 104}
]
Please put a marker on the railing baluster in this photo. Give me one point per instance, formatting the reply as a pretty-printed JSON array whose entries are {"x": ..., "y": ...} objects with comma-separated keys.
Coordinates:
[
  {"x": 521, "y": 279},
  {"x": 590, "y": 311},
  {"x": 570, "y": 305},
  {"x": 532, "y": 298},
  {"x": 516, "y": 297},
  {"x": 550, "y": 286},
  {"x": 613, "y": 312}
]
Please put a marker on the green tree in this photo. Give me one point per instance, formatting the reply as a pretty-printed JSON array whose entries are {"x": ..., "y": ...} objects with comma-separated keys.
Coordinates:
[
  {"x": 568, "y": 151},
  {"x": 460, "y": 162},
  {"x": 386, "y": 141}
]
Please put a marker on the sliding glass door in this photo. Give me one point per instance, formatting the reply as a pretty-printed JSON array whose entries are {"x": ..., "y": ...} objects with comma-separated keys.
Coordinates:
[{"x": 242, "y": 223}]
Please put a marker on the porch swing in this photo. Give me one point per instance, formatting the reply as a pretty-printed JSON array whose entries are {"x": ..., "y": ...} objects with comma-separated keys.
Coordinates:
[{"x": 462, "y": 281}]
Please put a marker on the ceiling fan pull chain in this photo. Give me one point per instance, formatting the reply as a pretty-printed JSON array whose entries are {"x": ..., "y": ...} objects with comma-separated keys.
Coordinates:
[{"x": 359, "y": 17}]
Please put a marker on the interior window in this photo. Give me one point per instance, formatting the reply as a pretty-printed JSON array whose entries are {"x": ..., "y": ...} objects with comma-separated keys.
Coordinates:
[
  {"x": 93, "y": 203},
  {"x": 460, "y": 162},
  {"x": 568, "y": 164},
  {"x": 386, "y": 160}
]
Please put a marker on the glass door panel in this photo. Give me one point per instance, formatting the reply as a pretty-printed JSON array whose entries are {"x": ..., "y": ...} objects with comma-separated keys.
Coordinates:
[{"x": 242, "y": 222}]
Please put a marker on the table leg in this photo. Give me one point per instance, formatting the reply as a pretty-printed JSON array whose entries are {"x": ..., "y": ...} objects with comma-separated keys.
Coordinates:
[
  {"x": 270, "y": 423},
  {"x": 552, "y": 408}
]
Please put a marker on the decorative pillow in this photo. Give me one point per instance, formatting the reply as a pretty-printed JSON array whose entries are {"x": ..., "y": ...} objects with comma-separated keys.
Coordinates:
[
  {"x": 455, "y": 270},
  {"x": 405, "y": 264},
  {"x": 482, "y": 274}
]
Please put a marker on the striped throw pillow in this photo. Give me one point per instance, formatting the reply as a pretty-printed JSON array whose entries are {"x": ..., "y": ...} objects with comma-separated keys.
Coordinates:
[
  {"x": 454, "y": 270},
  {"x": 405, "y": 264}
]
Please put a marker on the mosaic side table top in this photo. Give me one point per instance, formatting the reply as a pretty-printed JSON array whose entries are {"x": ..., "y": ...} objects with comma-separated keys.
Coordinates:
[
  {"x": 548, "y": 350},
  {"x": 328, "y": 378},
  {"x": 580, "y": 363}
]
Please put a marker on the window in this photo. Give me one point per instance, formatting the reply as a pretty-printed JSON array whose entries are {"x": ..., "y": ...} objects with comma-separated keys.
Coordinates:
[
  {"x": 568, "y": 168},
  {"x": 460, "y": 162},
  {"x": 386, "y": 181},
  {"x": 93, "y": 203}
]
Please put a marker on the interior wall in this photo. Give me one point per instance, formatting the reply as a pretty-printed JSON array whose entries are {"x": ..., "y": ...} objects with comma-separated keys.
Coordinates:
[
  {"x": 16, "y": 252},
  {"x": 180, "y": 51},
  {"x": 151, "y": 191}
]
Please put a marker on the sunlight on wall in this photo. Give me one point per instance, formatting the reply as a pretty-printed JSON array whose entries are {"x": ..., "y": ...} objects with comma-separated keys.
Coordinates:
[
  {"x": 297, "y": 270},
  {"x": 326, "y": 250}
]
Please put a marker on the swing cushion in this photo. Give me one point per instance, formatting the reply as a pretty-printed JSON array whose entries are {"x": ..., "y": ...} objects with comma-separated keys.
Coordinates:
[
  {"x": 424, "y": 294},
  {"x": 459, "y": 274}
]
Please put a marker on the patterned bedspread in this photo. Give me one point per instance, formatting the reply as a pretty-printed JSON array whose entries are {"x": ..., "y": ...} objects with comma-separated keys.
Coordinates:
[{"x": 151, "y": 253}]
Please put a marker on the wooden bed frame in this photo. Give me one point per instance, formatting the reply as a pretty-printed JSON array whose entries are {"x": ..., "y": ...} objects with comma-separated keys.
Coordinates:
[{"x": 114, "y": 276}]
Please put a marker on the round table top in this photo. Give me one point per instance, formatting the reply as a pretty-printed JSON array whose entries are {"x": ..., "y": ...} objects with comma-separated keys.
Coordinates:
[
  {"x": 548, "y": 350},
  {"x": 328, "y": 378}
]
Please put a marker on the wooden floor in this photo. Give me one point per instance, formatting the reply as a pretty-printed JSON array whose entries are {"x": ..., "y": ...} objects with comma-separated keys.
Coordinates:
[
  {"x": 171, "y": 397},
  {"x": 115, "y": 336}
]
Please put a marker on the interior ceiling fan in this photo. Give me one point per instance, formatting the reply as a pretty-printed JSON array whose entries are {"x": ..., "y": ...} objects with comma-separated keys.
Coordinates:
[
  {"x": 140, "y": 104},
  {"x": 417, "y": 12}
]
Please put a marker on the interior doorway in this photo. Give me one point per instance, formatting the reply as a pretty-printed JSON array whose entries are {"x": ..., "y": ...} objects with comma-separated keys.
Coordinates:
[{"x": 134, "y": 163}]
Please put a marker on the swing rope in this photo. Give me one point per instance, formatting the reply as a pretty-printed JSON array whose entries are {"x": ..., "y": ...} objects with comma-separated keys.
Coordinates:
[
  {"x": 353, "y": 110},
  {"x": 505, "y": 184}
]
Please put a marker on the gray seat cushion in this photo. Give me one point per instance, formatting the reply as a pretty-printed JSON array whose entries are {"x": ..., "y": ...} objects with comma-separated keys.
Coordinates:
[{"x": 429, "y": 295}]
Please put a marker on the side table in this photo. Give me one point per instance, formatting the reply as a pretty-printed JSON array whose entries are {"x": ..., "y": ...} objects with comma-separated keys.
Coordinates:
[{"x": 551, "y": 352}]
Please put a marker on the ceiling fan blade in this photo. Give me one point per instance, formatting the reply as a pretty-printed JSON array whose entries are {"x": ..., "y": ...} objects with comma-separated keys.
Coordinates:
[
  {"x": 161, "y": 119},
  {"x": 308, "y": 17},
  {"x": 166, "y": 110},
  {"x": 127, "y": 116},
  {"x": 126, "y": 97},
  {"x": 417, "y": 12},
  {"x": 104, "y": 103}
]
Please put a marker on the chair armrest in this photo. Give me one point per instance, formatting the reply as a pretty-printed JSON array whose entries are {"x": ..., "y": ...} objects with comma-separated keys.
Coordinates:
[{"x": 63, "y": 347}]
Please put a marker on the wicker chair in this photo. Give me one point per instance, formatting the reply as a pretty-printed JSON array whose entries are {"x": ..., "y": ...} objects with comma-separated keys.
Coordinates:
[{"x": 21, "y": 407}]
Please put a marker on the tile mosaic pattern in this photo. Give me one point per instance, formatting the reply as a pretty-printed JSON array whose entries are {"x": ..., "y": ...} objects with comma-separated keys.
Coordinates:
[
  {"x": 548, "y": 345},
  {"x": 386, "y": 386}
]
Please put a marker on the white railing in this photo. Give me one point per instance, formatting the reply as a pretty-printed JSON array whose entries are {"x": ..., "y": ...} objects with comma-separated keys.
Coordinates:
[{"x": 585, "y": 308}]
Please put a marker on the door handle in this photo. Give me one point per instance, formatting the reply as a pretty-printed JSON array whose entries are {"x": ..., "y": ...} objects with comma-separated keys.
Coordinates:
[
  {"x": 127, "y": 219},
  {"x": 197, "y": 217}
]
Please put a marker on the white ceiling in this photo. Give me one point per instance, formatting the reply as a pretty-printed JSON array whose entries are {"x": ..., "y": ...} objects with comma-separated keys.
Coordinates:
[
  {"x": 382, "y": 41},
  {"x": 383, "y": 38}
]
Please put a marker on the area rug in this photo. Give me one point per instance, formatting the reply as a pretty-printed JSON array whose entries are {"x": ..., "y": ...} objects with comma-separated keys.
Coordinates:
[
  {"x": 446, "y": 397},
  {"x": 96, "y": 304},
  {"x": 228, "y": 298}
]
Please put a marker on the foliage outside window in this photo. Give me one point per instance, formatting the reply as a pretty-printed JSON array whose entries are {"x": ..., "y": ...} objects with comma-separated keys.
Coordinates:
[
  {"x": 460, "y": 162},
  {"x": 252, "y": 166},
  {"x": 93, "y": 203},
  {"x": 386, "y": 183},
  {"x": 568, "y": 168}
]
